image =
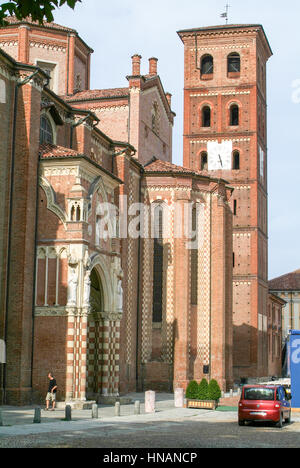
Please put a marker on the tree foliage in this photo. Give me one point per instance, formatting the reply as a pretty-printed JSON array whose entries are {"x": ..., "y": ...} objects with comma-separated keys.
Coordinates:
[{"x": 39, "y": 10}]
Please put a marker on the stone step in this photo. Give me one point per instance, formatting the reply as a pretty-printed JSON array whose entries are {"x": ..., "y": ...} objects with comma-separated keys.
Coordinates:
[
  {"x": 76, "y": 405},
  {"x": 111, "y": 400}
]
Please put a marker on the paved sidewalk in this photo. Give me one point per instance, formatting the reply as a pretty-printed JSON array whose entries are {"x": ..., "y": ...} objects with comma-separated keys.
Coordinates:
[{"x": 19, "y": 421}]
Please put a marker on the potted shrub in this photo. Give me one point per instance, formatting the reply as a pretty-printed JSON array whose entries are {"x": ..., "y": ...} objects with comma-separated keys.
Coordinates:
[
  {"x": 203, "y": 390},
  {"x": 192, "y": 390},
  {"x": 206, "y": 396},
  {"x": 214, "y": 391}
]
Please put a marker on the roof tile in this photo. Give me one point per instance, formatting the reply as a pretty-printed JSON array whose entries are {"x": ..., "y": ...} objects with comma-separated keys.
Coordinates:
[
  {"x": 288, "y": 282},
  {"x": 157, "y": 165},
  {"x": 13, "y": 20},
  {"x": 97, "y": 94},
  {"x": 47, "y": 150}
]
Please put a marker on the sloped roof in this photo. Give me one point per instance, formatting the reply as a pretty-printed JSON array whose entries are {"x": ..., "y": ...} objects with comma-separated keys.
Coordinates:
[
  {"x": 94, "y": 94},
  {"x": 222, "y": 26},
  {"x": 159, "y": 166},
  {"x": 287, "y": 282},
  {"x": 48, "y": 150},
  {"x": 14, "y": 20}
]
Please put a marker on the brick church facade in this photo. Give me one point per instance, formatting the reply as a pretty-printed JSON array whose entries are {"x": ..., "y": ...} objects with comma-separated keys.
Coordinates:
[{"x": 111, "y": 311}]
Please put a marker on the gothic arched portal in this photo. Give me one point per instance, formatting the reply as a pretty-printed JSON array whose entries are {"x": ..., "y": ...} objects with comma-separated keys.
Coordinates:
[
  {"x": 96, "y": 295},
  {"x": 94, "y": 338}
]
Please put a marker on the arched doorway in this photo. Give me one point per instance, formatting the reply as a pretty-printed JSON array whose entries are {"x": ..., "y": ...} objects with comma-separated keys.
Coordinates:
[
  {"x": 94, "y": 337},
  {"x": 96, "y": 295}
]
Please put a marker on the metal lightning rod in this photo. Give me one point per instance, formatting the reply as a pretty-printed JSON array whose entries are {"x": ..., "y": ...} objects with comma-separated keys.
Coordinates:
[{"x": 226, "y": 14}]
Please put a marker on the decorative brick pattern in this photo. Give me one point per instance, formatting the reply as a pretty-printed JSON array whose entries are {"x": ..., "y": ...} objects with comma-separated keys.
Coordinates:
[
  {"x": 130, "y": 279},
  {"x": 147, "y": 301},
  {"x": 204, "y": 258},
  {"x": 168, "y": 324}
]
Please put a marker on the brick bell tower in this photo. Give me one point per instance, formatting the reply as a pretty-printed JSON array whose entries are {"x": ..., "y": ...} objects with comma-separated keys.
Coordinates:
[{"x": 225, "y": 135}]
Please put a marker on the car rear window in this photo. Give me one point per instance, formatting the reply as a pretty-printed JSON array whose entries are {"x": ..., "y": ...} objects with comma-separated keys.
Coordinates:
[{"x": 259, "y": 394}]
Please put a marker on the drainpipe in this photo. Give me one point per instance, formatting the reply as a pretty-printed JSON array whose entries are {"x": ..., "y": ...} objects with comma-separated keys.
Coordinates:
[
  {"x": 35, "y": 265},
  {"x": 292, "y": 311},
  {"x": 13, "y": 151},
  {"x": 68, "y": 65},
  {"x": 35, "y": 257}
]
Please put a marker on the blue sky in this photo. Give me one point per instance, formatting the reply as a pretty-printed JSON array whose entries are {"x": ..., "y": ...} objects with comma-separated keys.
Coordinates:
[{"x": 119, "y": 28}]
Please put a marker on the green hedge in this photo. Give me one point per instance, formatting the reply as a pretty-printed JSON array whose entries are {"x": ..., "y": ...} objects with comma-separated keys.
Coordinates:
[{"x": 204, "y": 390}]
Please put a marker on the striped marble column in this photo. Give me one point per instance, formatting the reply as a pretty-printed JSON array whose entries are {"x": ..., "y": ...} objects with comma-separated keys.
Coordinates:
[{"x": 70, "y": 356}]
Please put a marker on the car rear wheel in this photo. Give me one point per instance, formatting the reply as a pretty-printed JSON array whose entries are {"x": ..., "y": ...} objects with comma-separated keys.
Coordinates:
[
  {"x": 280, "y": 422},
  {"x": 241, "y": 423},
  {"x": 288, "y": 420}
]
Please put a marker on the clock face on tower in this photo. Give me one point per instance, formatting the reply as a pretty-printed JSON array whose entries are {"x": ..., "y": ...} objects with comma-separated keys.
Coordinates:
[{"x": 219, "y": 155}]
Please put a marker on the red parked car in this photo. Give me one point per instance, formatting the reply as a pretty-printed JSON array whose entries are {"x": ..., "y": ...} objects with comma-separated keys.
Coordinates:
[{"x": 265, "y": 403}]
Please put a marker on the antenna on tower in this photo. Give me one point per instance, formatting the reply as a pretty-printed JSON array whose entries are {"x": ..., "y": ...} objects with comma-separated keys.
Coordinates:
[{"x": 226, "y": 13}]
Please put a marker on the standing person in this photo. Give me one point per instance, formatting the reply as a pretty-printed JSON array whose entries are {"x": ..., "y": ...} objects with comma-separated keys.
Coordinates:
[{"x": 51, "y": 395}]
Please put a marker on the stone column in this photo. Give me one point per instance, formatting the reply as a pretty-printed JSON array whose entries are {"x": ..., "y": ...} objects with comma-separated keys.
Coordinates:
[
  {"x": 83, "y": 357},
  {"x": 70, "y": 356},
  {"x": 105, "y": 361},
  {"x": 111, "y": 357}
]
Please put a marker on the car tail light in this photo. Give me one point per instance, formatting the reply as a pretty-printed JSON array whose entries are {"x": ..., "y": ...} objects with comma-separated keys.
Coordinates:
[{"x": 241, "y": 405}]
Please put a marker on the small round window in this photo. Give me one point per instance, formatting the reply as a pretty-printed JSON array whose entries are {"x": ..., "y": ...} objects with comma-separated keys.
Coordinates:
[{"x": 46, "y": 132}]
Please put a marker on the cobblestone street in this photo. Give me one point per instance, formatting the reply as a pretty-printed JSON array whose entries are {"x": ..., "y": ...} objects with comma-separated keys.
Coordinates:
[
  {"x": 167, "y": 428},
  {"x": 197, "y": 432}
]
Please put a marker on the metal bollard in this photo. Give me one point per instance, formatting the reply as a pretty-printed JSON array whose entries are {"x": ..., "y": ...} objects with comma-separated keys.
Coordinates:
[
  {"x": 37, "y": 416},
  {"x": 137, "y": 408},
  {"x": 117, "y": 409},
  {"x": 95, "y": 411},
  {"x": 68, "y": 413}
]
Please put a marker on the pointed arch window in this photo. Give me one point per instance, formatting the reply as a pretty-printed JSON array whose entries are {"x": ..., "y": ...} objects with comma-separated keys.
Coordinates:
[
  {"x": 206, "y": 117},
  {"x": 158, "y": 261},
  {"x": 234, "y": 115},
  {"x": 236, "y": 161},
  {"x": 207, "y": 65},
  {"x": 46, "y": 131},
  {"x": 234, "y": 63}
]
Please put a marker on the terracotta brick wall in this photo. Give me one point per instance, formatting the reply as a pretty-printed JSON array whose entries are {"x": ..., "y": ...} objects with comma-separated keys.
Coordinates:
[
  {"x": 50, "y": 355},
  {"x": 19, "y": 325},
  {"x": 219, "y": 91}
]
